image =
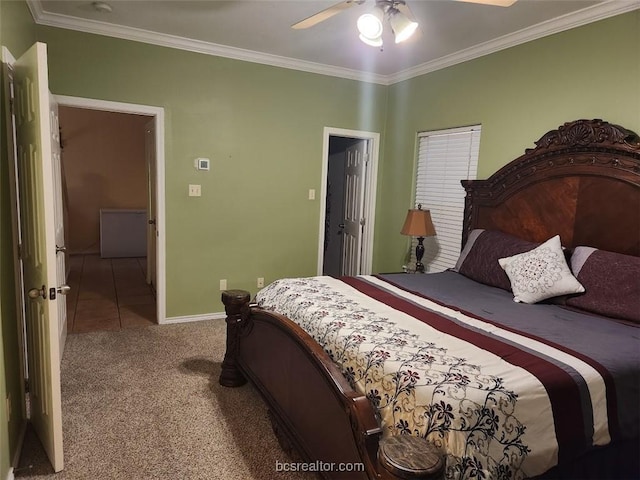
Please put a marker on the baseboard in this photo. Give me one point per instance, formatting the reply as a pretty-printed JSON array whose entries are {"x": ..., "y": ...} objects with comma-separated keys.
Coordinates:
[
  {"x": 10, "y": 475},
  {"x": 16, "y": 456},
  {"x": 194, "y": 318}
]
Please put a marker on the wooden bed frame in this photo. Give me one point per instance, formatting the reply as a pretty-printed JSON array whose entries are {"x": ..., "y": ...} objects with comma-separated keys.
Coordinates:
[{"x": 556, "y": 187}]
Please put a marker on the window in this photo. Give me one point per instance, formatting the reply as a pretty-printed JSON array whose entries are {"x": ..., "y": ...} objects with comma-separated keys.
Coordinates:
[{"x": 444, "y": 158}]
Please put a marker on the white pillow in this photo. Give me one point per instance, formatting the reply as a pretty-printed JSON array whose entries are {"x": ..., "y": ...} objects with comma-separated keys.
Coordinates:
[{"x": 540, "y": 273}]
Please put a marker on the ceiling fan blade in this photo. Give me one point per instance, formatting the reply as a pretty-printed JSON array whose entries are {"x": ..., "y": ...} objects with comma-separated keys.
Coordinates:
[
  {"x": 404, "y": 8},
  {"x": 323, "y": 15},
  {"x": 497, "y": 3}
]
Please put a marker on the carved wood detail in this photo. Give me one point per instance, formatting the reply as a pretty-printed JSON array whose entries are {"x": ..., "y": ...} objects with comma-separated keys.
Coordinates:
[
  {"x": 236, "y": 306},
  {"x": 411, "y": 457},
  {"x": 587, "y": 133},
  {"x": 284, "y": 439}
]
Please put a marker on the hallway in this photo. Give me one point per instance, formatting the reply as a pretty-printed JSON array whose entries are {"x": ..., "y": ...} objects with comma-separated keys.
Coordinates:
[{"x": 108, "y": 294}]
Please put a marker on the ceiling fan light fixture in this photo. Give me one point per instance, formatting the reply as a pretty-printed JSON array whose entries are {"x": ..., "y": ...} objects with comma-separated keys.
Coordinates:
[
  {"x": 370, "y": 24},
  {"x": 402, "y": 27},
  {"x": 374, "y": 42}
]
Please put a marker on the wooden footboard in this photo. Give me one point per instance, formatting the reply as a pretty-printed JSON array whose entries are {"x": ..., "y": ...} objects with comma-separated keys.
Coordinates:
[{"x": 312, "y": 406}]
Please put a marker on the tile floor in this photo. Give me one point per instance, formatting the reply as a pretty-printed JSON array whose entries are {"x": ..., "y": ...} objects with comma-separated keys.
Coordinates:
[{"x": 108, "y": 294}]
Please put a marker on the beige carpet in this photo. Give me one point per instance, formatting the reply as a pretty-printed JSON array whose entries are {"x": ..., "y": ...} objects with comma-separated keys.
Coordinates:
[{"x": 146, "y": 404}]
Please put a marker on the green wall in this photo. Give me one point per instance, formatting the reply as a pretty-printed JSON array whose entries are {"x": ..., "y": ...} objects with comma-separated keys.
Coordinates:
[
  {"x": 17, "y": 33},
  {"x": 262, "y": 128},
  {"x": 517, "y": 95}
]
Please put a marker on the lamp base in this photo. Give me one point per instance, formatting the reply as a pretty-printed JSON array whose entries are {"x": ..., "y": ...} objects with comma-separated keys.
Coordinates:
[{"x": 419, "y": 254}]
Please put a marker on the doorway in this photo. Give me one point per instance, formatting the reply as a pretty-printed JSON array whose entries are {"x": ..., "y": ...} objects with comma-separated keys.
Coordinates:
[
  {"x": 138, "y": 276},
  {"x": 105, "y": 192},
  {"x": 347, "y": 213}
]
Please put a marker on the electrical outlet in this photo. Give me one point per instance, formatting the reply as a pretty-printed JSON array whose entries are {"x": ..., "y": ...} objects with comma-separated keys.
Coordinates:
[
  {"x": 260, "y": 282},
  {"x": 223, "y": 284},
  {"x": 312, "y": 194}
]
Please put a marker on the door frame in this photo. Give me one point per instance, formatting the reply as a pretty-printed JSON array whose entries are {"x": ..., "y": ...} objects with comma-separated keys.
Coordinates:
[
  {"x": 370, "y": 186},
  {"x": 158, "y": 114}
]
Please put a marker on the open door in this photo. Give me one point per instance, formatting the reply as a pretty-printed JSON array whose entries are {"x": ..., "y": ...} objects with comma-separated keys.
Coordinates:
[
  {"x": 334, "y": 214},
  {"x": 347, "y": 201},
  {"x": 41, "y": 222},
  {"x": 59, "y": 223},
  {"x": 353, "y": 203},
  {"x": 152, "y": 231}
]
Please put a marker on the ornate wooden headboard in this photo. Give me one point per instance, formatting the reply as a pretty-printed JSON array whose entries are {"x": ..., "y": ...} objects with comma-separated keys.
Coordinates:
[{"x": 581, "y": 181}]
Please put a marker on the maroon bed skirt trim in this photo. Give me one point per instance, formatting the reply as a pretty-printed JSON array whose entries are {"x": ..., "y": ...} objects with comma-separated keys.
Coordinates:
[
  {"x": 615, "y": 432},
  {"x": 563, "y": 392}
]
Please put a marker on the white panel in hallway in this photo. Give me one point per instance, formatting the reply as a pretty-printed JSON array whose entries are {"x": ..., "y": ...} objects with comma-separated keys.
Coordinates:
[{"x": 123, "y": 233}]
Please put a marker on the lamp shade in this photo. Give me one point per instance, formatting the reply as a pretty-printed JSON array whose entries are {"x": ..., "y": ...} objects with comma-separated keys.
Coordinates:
[
  {"x": 402, "y": 27},
  {"x": 418, "y": 223}
]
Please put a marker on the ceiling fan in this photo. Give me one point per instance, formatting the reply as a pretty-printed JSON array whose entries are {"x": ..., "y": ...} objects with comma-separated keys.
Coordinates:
[{"x": 370, "y": 25}]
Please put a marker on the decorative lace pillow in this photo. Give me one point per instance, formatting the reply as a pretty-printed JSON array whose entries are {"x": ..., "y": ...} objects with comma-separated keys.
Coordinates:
[{"x": 540, "y": 273}]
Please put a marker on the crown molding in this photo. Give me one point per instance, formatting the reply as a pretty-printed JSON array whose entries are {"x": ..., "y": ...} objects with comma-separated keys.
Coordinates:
[
  {"x": 173, "y": 41},
  {"x": 587, "y": 15}
]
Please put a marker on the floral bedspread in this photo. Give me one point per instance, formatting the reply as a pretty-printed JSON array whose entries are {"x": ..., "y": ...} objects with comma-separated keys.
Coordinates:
[{"x": 467, "y": 386}]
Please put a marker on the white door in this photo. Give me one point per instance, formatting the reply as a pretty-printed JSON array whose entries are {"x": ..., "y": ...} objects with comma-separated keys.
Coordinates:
[
  {"x": 152, "y": 230},
  {"x": 356, "y": 156},
  {"x": 334, "y": 215},
  {"x": 37, "y": 164},
  {"x": 60, "y": 249}
]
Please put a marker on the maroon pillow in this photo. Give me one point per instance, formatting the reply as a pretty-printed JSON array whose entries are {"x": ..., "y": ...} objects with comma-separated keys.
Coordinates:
[
  {"x": 479, "y": 258},
  {"x": 611, "y": 281}
]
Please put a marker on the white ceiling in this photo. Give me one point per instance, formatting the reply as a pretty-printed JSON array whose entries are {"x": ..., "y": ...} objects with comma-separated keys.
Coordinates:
[{"x": 259, "y": 30}]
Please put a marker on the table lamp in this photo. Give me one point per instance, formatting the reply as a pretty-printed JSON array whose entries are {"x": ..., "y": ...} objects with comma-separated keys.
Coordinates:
[{"x": 418, "y": 224}]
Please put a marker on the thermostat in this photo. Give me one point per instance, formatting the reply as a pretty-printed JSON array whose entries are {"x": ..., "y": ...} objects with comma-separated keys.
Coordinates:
[{"x": 202, "y": 163}]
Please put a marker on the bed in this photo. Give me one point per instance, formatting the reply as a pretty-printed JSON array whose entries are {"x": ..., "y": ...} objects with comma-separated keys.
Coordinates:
[{"x": 543, "y": 387}]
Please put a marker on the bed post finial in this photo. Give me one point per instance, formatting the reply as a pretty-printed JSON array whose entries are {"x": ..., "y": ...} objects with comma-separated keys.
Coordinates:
[{"x": 236, "y": 306}]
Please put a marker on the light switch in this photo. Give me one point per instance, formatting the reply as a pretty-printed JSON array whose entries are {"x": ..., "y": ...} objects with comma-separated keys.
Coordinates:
[
  {"x": 194, "y": 191},
  {"x": 312, "y": 194}
]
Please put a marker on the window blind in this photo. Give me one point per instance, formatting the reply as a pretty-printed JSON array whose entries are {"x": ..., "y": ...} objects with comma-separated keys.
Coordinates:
[{"x": 444, "y": 158}]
